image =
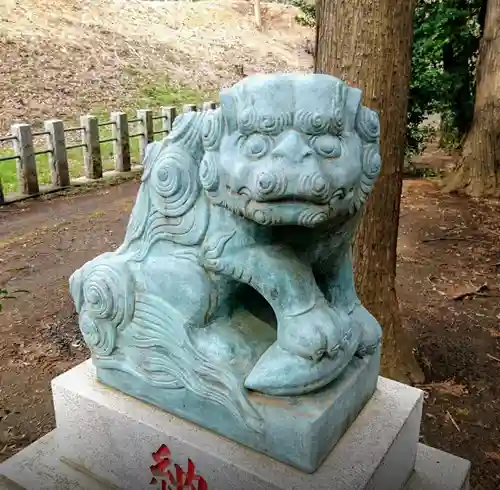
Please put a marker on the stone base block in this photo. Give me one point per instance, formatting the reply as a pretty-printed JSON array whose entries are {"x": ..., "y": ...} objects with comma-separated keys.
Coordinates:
[
  {"x": 40, "y": 467},
  {"x": 439, "y": 470},
  {"x": 300, "y": 431},
  {"x": 106, "y": 440},
  {"x": 114, "y": 436}
]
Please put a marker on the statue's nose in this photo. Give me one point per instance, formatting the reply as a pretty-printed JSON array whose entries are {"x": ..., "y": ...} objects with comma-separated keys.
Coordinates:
[{"x": 292, "y": 148}]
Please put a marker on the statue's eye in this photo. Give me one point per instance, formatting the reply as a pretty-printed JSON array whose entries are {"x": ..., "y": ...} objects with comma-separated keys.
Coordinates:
[
  {"x": 256, "y": 145},
  {"x": 327, "y": 145}
]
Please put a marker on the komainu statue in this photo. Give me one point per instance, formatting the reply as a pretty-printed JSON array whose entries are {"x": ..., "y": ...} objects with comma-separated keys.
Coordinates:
[{"x": 231, "y": 301}]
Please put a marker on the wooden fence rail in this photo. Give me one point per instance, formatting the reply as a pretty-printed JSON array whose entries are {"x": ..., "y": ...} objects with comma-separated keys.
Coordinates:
[{"x": 22, "y": 136}]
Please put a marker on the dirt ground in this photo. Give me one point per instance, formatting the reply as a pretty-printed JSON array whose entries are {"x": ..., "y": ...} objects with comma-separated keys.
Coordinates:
[{"x": 448, "y": 284}]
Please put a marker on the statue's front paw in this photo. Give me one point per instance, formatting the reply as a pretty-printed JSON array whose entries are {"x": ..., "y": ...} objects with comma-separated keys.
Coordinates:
[
  {"x": 371, "y": 331},
  {"x": 318, "y": 332}
]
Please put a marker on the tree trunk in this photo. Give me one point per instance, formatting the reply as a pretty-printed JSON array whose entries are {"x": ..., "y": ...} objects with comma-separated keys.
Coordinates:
[
  {"x": 367, "y": 43},
  {"x": 478, "y": 170}
]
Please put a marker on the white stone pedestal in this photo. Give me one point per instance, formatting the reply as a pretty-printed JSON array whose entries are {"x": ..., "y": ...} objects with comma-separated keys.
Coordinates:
[{"x": 105, "y": 439}]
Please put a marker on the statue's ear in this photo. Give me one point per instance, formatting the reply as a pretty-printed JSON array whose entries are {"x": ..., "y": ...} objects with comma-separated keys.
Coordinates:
[
  {"x": 352, "y": 104},
  {"x": 228, "y": 109}
]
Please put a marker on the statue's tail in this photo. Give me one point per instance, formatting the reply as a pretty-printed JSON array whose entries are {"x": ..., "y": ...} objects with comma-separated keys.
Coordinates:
[{"x": 161, "y": 354}]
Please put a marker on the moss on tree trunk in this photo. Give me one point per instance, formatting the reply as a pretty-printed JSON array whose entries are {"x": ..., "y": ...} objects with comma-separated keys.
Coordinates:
[{"x": 367, "y": 43}]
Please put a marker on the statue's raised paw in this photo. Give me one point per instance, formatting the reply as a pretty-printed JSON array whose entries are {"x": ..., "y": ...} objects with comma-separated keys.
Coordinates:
[{"x": 318, "y": 332}]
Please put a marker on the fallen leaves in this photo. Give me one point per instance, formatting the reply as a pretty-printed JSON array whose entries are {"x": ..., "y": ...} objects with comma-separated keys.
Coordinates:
[
  {"x": 467, "y": 290},
  {"x": 446, "y": 388},
  {"x": 494, "y": 456}
]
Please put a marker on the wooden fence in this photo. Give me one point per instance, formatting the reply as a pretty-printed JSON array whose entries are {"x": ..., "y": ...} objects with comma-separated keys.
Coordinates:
[{"x": 25, "y": 153}]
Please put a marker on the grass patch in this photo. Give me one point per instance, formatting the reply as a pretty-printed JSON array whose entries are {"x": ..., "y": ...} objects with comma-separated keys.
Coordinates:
[
  {"x": 165, "y": 94},
  {"x": 151, "y": 96},
  {"x": 8, "y": 169}
]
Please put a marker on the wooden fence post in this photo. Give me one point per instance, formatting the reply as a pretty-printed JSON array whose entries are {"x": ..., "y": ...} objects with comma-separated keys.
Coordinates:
[
  {"x": 92, "y": 160},
  {"x": 168, "y": 118},
  {"x": 258, "y": 13},
  {"x": 121, "y": 141},
  {"x": 146, "y": 117},
  {"x": 208, "y": 106},
  {"x": 26, "y": 163},
  {"x": 58, "y": 156},
  {"x": 189, "y": 108}
]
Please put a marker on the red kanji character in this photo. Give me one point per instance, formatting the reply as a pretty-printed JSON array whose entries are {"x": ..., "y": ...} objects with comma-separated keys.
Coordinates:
[
  {"x": 160, "y": 469},
  {"x": 187, "y": 480},
  {"x": 182, "y": 480}
]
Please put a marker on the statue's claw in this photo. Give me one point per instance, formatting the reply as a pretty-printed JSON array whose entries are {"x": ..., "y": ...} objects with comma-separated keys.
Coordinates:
[
  {"x": 321, "y": 331},
  {"x": 302, "y": 338},
  {"x": 281, "y": 373},
  {"x": 371, "y": 332}
]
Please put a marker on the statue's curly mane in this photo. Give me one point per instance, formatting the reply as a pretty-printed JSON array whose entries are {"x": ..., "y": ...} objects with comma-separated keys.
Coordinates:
[{"x": 169, "y": 204}]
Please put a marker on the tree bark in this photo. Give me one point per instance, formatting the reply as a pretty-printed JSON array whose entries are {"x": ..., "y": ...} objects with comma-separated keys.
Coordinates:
[
  {"x": 477, "y": 173},
  {"x": 367, "y": 43}
]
